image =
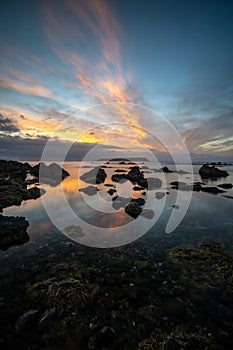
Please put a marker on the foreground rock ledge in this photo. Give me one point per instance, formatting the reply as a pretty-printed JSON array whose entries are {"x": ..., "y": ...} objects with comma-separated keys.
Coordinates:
[{"x": 13, "y": 231}]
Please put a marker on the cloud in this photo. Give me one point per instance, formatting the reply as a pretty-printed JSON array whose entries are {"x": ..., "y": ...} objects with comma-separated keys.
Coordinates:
[
  {"x": 27, "y": 88},
  {"x": 7, "y": 125}
]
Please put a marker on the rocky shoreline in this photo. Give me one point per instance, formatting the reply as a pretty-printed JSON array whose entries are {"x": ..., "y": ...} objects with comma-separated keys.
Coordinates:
[
  {"x": 137, "y": 297},
  {"x": 14, "y": 190}
]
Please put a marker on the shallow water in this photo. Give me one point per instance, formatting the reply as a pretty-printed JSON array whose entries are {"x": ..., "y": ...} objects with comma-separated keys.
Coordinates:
[{"x": 208, "y": 216}]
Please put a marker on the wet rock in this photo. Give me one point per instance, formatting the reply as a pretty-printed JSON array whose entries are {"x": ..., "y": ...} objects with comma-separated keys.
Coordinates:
[
  {"x": 138, "y": 188},
  {"x": 175, "y": 307},
  {"x": 119, "y": 178},
  {"x": 212, "y": 189},
  {"x": 89, "y": 190},
  {"x": 111, "y": 191},
  {"x": 103, "y": 339},
  {"x": 25, "y": 320},
  {"x": 170, "y": 344},
  {"x": 52, "y": 171},
  {"x": 207, "y": 171},
  {"x": 226, "y": 196},
  {"x": 120, "y": 202},
  {"x": 135, "y": 175},
  {"x": 139, "y": 201},
  {"x": 133, "y": 209},
  {"x": 13, "y": 231},
  {"x": 47, "y": 319},
  {"x": 94, "y": 176},
  {"x": 226, "y": 186},
  {"x": 159, "y": 195},
  {"x": 179, "y": 185}
]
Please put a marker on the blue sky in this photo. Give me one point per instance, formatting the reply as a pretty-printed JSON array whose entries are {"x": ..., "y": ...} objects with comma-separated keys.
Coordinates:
[{"x": 58, "y": 57}]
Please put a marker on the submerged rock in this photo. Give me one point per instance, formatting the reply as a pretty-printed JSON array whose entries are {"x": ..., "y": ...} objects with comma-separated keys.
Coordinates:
[
  {"x": 89, "y": 190},
  {"x": 13, "y": 231},
  {"x": 207, "y": 171},
  {"x": 159, "y": 195}
]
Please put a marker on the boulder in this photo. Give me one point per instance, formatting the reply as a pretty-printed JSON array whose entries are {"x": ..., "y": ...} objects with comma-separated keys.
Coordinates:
[
  {"x": 52, "y": 171},
  {"x": 133, "y": 209},
  {"x": 94, "y": 176},
  {"x": 207, "y": 171}
]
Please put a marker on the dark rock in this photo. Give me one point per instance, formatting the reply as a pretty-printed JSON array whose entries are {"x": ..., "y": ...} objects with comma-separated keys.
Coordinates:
[
  {"x": 175, "y": 206},
  {"x": 226, "y": 196},
  {"x": 89, "y": 190},
  {"x": 94, "y": 176},
  {"x": 135, "y": 174},
  {"x": 175, "y": 307},
  {"x": 226, "y": 186},
  {"x": 171, "y": 344},
  {"x": 207, "y": 171},
  {"x": 119, "y": 178},
  {"x": 52, "y": 171},
  {"x": 213, "y": 190},
  {"x": 47, "y": 319},
  {"x": 13, "y": 231},
  {"x": 111, "y": 191},
  {"x": 25, "y": 320},
  {"x": 138, "y": 188},
  {"x": 140, "y": 201},
  {"x": 133, "y": 209}
]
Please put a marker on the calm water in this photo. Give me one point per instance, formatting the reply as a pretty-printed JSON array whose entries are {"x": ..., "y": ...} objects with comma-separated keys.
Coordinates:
[{"x": 208, "y": 216}]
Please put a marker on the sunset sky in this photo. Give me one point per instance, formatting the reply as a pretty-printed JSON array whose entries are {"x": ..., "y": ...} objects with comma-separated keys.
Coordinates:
[{"x": 60, "y": 57}]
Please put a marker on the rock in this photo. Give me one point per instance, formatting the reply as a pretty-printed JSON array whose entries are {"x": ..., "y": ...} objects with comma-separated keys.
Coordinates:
[
  {"x": 111, "y": 191},
  {"x": 14, "y": 170},
  {"x": 175, "y": 307},
  {"x": 213, "y": 190},
  {"x": 94, "y": 176},
  {"x": 140, "y": 201},
  {"x": 138, "y": 188},
  {"x": 147, "y": 213},
  {"x": 102, "y": 339},
  {"x": 135, "y": 175},
  {"x": 226, "y": 186},
  {"x": 133, "y": 209},
  {"x": 13, "y": 231},
  {"x": 25, "y": 320},
  {"x": 89, "y": 190},
  {"x": 207, "y": 171},
  {"x": 52, "y": 171},
  {"x": 179, "y": 185},
  {"x": 170, "y": 344},
  {"x": 226, "y": 196},
  {"x": 175, "y": 206},
  {"x": 159, "y": 195},
  {"x": 120, "y": 202},
  {"x": 119, "y": 178},
  {"x": 47, "y": 319},
  {"x": 109, "y": 185}
]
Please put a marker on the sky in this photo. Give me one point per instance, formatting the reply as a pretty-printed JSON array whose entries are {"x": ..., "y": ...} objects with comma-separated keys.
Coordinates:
[{"x": 61, "y": 57}]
